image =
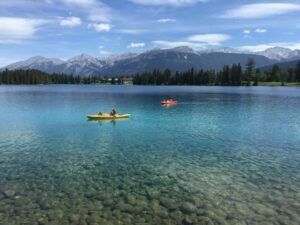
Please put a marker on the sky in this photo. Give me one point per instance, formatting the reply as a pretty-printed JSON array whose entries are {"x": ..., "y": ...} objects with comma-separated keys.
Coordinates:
[{"x": 101, "y": 28}]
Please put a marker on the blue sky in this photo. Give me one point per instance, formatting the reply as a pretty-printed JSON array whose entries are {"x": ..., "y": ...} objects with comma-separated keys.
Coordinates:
[{"x": 65, "y": 28}]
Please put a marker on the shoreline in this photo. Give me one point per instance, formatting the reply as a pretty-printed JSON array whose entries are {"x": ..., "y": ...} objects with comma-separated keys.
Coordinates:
[{"x": 260, "y": 84}]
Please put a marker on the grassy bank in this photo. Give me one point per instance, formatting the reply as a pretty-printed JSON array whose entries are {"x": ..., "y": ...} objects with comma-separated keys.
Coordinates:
[{"x": 289, "y": 84}]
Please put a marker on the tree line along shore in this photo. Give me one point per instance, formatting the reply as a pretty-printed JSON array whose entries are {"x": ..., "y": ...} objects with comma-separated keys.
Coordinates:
[{"x": 230, "y": 76}]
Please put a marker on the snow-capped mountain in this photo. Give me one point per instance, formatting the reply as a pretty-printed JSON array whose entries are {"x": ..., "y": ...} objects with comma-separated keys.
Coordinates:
[
  {"x": 115, "y": 58},
  {"x": 221, "y": 50},
  {"x": 82, "y": 64},
  {"x": 183, "y": 49},
  {"x": 83, "y": 60},
  {"x": 180, "y": 58},
  {"x": 37, "y": 62},
  {"x": 279, "y": 53}
]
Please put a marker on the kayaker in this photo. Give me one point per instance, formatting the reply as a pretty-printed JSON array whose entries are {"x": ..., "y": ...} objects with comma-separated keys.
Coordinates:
[
  {"x": 170, "y": 100},
  {"x": 113, "y": 112}
]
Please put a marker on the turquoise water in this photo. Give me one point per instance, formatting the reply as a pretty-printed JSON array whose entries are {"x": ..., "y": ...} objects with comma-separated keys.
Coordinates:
[{"x": 222, "y": 155}]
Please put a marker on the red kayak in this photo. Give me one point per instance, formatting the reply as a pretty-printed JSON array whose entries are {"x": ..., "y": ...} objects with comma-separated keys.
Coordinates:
[{"x": 168, "y": 102}]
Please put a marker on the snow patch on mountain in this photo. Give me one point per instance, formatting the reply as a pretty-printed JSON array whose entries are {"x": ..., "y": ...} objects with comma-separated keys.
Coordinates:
[
  {"x": 221, "y": 50},
  {"x": 35, "y": 61},
  {"x": 279, "y": 53},
  {"x": 115, "y": 58},
  {"x": 183, "y": 49}
]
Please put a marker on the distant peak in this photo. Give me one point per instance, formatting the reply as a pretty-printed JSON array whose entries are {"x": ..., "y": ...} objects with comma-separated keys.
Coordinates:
[
  {"x": 152, "y": 50},
  {"x": 82, "y": 57},
  {"x": 183, "y": 49},
  {"x": 278, "y": 48},
  {"x": 39, "y": 59},
  {"x": 119, "y": 57},
  {"x": 221, "y": 50},
  {"x": 278, "y": 53}
]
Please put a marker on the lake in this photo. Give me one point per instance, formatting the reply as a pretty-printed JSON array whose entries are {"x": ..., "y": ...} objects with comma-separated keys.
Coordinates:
[{"x": 222, "y": 155}]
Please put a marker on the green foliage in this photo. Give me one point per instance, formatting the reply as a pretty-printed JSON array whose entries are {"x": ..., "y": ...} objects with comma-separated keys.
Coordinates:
[
  {"x": 38, "y": 77},
  {"x": 232, "y": 76},
  {"x": 229, "y": 76},
  {"x": 275, "y": 73},
  {"x": 249, "y": 70},
  {"x": 297, "y": 72}
]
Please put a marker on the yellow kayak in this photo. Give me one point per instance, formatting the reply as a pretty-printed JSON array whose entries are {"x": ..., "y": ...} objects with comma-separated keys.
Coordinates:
[{"x": 108, "y": 116}]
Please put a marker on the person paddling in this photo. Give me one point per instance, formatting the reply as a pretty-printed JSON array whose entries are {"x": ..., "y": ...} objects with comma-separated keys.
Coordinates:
[{"x": 113, "y": 112}]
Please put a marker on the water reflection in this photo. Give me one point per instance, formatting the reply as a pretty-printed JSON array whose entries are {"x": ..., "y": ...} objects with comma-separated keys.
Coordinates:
[{"x": 107, "y": 121}]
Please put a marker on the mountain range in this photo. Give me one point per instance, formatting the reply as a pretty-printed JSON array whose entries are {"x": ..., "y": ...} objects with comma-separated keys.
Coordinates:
[{"x": 177, "y": 59}]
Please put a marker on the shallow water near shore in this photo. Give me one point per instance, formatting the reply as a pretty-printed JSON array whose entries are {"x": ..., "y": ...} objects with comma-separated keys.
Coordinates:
[{"x": 222, "y": 155}]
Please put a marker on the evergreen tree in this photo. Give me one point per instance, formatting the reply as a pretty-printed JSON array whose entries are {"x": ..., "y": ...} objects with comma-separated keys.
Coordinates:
[
  {"x": 166, "y": 76},
  {"x": 297, "y": 72},
  {"x": 275, "y": 74},
  {"x": 249, "y": 70}
]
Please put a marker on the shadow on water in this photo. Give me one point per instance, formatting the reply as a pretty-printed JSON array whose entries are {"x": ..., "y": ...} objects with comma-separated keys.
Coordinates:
[{"x": 106, "y": 121}]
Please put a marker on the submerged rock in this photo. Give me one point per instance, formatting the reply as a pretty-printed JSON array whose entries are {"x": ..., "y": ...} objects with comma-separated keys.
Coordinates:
[
  {"x": 188, "y": 207},
  {"x": 168, "y": 203},
  {"x": 152, "y": 194},
  {"x": 93, "y": 219},
  {"x": 124, "y": 207},
  {"x": 264, "y": 210},
  {"x": 108, "y": 202},
  {"x": 177, "y": 216},
  {"x": 45, "y": 203},
  {"x": 140, "y": 203},
  {"x": 91, "y": 194},
  {"x": 74, "y": 218},
  {"x": 203, "y": 220},
  {"x": 158, "y": 209},
  {"x": 188, "y": 220},
  {"x": 9, "y": 193},
  {"x": 55, "y": 214},
  {"x": 9, "y": 189}
]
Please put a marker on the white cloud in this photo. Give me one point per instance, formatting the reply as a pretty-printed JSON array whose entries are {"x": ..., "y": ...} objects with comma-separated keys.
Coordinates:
[
  {"x": 131, "y": 31},
  {"x": 262, "y": 47},
  {"x": 16, "y": 30},
  {"x": 104, "y": 52},
  {"x": 173, "y": 44},
  {"x": 168, "y": 2},
  {"x": 136, "y": 45},
  {"x": 246, "y": 31},
  {"x": 23, "y": 4},
  {"x": 261, "y": 10},
  {"x": 195, "y": 41},
  {"x": 100, "y": 14},
  {"x": 70, "y": 21},
  {"x": 260, "y": 30},
  {"x": 166, "y": 20},
  {"x": 81, "y": 3},
  {"x": 210, "y": 39},
  {"x": 100, "y": 27},
  {"x": 97, "y": 11}
]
